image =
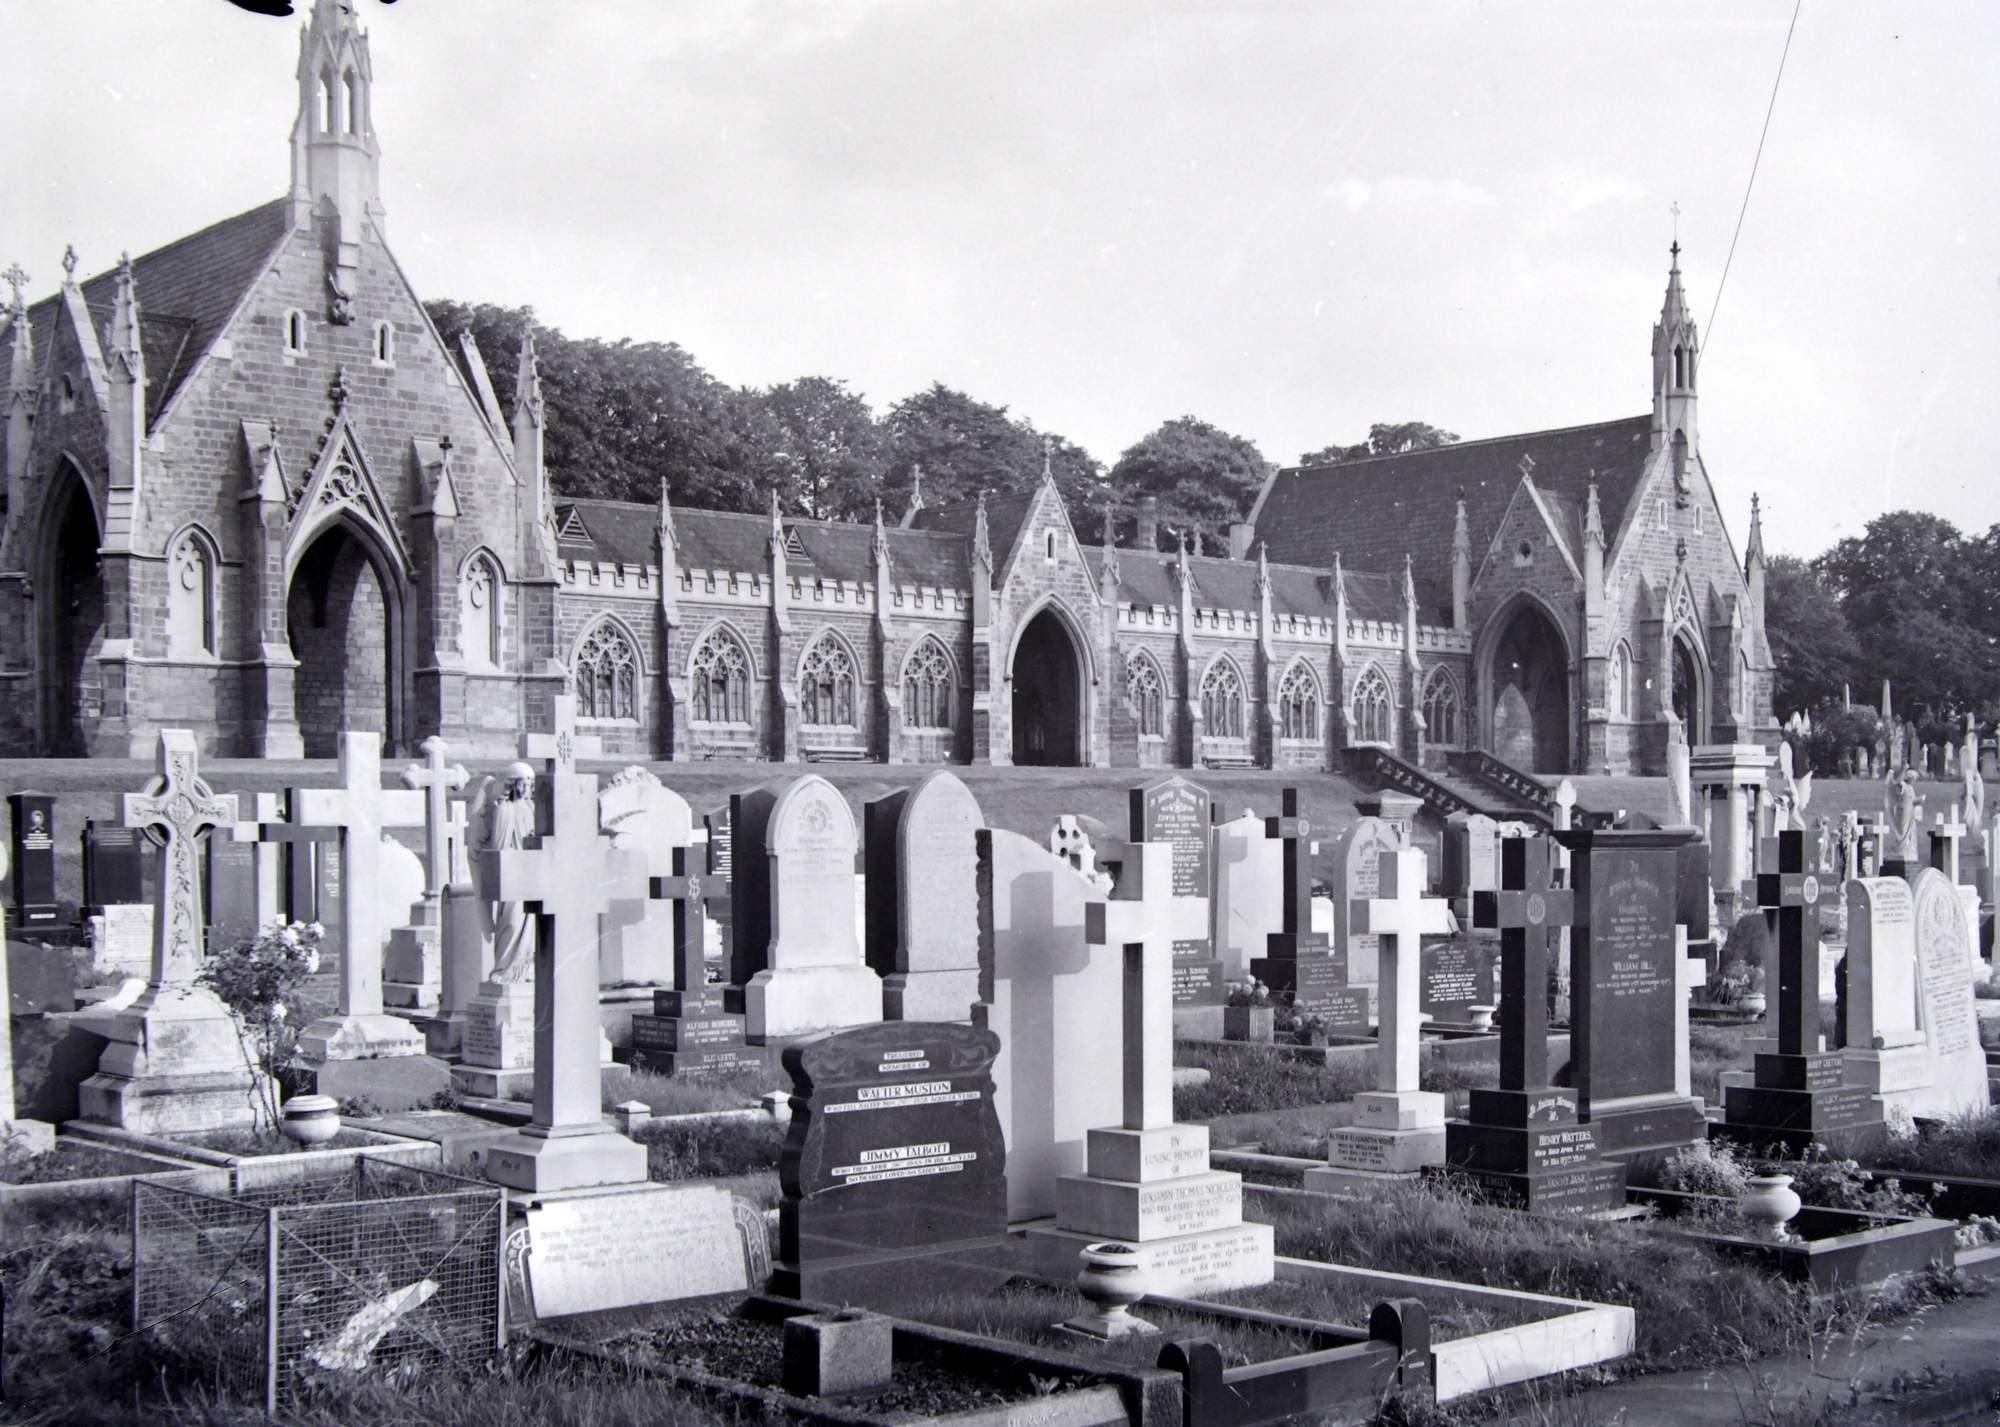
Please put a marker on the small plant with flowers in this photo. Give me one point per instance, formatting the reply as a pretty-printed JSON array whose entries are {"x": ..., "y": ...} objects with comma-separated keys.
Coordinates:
[{"x": 262, "y": 982}]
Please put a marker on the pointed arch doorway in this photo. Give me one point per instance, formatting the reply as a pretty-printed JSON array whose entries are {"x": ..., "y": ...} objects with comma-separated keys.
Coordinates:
[
  {"x": 1528, "y": 672},
  {"x": 69, "y": 618},
  {"x": 341, "y": 616},
  {"x": 1690, "y": 707},
  {"x": 1047, "y": 682}
]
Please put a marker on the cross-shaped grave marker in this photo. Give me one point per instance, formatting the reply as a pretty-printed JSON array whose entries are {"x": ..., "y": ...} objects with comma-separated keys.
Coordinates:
[
  {"x": 1790, "y": 897},
  {"x": 175, "y": 813},
  {"x": 1401, "y": 916},
  {"x": 1946, "y": 838},
  {"x": 566, "y": 881},
  {"x": 357, "y": 813},
  {"x": 1525, "y": 911},
  {"x": 444, "y": 820},
  {"x": 267, "y": 811},
  {"x": 1294, "y": 831},
  {"x": 693, "y": 894},
  {"x": 562, "y": 745},
  {"x": 1140, "y": 920}
]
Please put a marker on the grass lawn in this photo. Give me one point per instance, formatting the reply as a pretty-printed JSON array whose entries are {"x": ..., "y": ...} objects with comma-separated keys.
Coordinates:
[
  {"x": 1245, "y": 1078},
  {"x": 690, "y": 1095},
  {"x": 1969, "y": 1146},
  {"x": 70, "y": 1159}
]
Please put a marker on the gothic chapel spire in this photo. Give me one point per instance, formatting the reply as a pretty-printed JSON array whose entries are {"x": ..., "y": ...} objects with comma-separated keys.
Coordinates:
[
  {"x": 1676, "y": 357},
  {"x": 335, "y": 159}
]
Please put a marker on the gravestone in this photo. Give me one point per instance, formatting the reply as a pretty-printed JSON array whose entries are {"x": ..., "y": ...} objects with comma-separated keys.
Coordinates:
[
  {"x": 1523, "y": 1143},
  {"x": 1147, "y": 1181},
  {"x": 1799, "y": 1094},
  {"x": 1356, "y": 866},
  {"x": 232, "y": 892},
  {"x": 636, "y": 942},
  {"x": 1398, "y": 1128},
  {"x": 922, "y": 899},
  {"x": 749, "y": 884},
  {"x": 1458, "y": 973},
  {"x": 565, "y": 881},
  {"x": 1300, "y": 965},
  {"x": 23, "y": 1137},
  {"x": 814, "y": 977},
  {"x": 1471, "y": 859},
  {"x": 33, "y": 883},
  {"x": 414, "y": 963},
  {"x": 121, "y": 941},
  {"x": 641, "y": 1245},
  {"x": 113, "y": 872},
  {"x": 1945, "y": 970},
  {"x": 1626, "y": 989},
  {"x": 174, "y": 1061},
  {"x": 1247, "y": 902},
  {"x": 1694, "y": 902},
  {"x": 894, "y": 1162},
  {"x": 1043, "y": 990},
  {"x": 1177, "y": 812},
  {"x": 691, "y": 1030},
  {"x": 1883, "y": 1040}
]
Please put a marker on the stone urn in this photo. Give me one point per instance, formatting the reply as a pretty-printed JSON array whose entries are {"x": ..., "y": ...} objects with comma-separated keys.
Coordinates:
[
  {"x": 1111, "y": 1281},
  {"x": 1754, "y": 1003},
  {"x": 1482, "y": 1017},
  {"x": 311, "y": 1119},
  {"x": 1769, "y": 1202}
]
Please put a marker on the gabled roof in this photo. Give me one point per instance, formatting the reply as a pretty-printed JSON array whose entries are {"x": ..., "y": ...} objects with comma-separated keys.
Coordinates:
[
  {"x": 622, "y": 531},
  {"x": 1147, "y": 578},
  {"x": 1374, "y": 511},
  {"x": 186, "y": 292},
  {"x": 1005, "y": 515}
]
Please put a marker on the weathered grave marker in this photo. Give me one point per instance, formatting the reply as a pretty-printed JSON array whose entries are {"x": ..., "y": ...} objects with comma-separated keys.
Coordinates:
[
  {"x": 626, "y": 1248},
  {"x": 1177, "y": 812},
  {"x": 922, "y": 899},
  {"x": 1300, "y": 963},
  {"x": 691, "y": 1030},
  {"x": 1356, "y": 868}
]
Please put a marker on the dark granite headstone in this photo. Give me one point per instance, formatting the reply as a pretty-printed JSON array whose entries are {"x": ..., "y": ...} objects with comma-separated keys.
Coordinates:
[
  {"x": 232, "y": 892},
  {"x": 1623, "y": 987},
  {"x": 1456, "y": 974},
  {"x": 1300, "y": 963},
  {"x": 691, "y": 1031},
  {"x": 1692, "y": 898},
  {"x": 33, "y": 876},
  {"x": 749, "y": 883},
  {"x": 894, "y": 1157},
  {"x": 1177, "y": 811},
  {"x": 113, "y": 865}
]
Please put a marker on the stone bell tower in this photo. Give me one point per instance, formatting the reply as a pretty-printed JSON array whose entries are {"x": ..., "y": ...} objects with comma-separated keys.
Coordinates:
[{"x": 336, "y": 163}]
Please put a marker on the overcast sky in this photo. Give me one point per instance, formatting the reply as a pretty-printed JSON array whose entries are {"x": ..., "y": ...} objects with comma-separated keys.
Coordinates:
[{"x": 1289, "y": 220}]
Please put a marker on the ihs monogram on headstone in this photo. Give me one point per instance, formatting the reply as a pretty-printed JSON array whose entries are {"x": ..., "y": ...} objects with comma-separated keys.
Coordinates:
[
  {"x": 1177, "y": 812},
  {"x": 894, "y": 1163},
  {"x": 34, "y": 856},
  {"x": 1628, "y": 989},
  {"x": 1523, "y": 1143},
  {"x": 1398, "y": 1128},
  {"x": 1147, "y": 1181},
  {"x": 565, "y": 881},
  {"x": 923, "y": 899},
  {"x": 1800, "y": 1094},
  {"x": 1299, "y": 964},
  {"x": 691, "y": 1030},
  {"x": 174, "y": 1061}
]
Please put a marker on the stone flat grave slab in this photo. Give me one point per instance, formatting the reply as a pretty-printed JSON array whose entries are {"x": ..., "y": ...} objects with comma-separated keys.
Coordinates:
[{"x": 646, "y": 1245}]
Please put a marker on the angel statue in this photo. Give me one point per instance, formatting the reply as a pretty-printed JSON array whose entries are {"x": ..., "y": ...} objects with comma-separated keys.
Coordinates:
[
  {"x": 1901, "y": 798},
  {"x": 503, "y": 817},
  {"x": 1968, "y": 772}
]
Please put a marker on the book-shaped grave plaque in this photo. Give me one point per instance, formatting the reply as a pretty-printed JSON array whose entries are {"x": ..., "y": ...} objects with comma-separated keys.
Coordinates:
[
  {"x": 894, "y": 1158},
  {"x": 629, "y": 1247}
]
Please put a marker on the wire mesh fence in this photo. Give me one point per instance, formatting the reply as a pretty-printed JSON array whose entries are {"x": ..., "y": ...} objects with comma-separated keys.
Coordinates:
[{"x": 364, "y": 1267}]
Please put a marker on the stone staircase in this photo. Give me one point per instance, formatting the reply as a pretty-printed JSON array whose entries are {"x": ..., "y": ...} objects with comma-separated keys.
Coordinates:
[{"x": 1447, "y": 790}]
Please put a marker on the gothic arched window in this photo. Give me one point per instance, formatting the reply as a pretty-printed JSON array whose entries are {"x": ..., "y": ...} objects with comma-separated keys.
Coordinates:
[
  {"x": 190, "y": 597},
  {"x": 928, "y": 699},
  {"x": 719, "y": 677},
  {"x": 479, "y": 613},
  {"x": 1440, "y": 708},
  {"x": 1148, "y": 695},
  {"x": 1374, "y": 709},
  {"x": 1621, "y": 682},
  {"x": 607, "y": 675},
  {"x": 1222, "y": 700},
  {"x": 826, "y": 685},
  {"x": 1298, "y": 704}
]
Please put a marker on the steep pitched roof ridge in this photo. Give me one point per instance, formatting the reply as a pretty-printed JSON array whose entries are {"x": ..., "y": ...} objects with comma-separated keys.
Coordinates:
[
  {"x": 1146, "y": 577},
  {"x": 736, "y": 540},
  {"x": 1376, "y": 509}
]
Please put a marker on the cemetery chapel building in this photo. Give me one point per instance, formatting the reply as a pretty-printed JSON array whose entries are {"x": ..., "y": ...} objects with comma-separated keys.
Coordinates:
[{"x": 250, "y": 491}]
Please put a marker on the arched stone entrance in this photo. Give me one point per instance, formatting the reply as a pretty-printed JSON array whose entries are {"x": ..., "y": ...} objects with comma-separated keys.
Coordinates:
[
  {"x": 69, "y": 619},
  {"x": 1689, "y": 705},
  {"x": 1047, "y": 680},
  {"x": 1529, "y": 677},
  {"x": 340, "y": 615}
]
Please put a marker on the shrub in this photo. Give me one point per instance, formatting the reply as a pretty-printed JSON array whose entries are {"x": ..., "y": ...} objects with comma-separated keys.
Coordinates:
[{"x": 262, "y": 982}]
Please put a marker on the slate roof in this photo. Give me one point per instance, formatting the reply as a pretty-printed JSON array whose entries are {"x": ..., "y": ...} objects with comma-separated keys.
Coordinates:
[
  {"x": 186, "y": 292},
  {"x": 616, "y": 530},
  {"x": 1146, "y": 578},
  {"x": 1375, "y": 510},
  {"x": 1005, "y": 514}
]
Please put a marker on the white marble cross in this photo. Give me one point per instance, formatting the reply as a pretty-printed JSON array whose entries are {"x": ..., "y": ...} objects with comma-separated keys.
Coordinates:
[
  {"x": 357, "y": 812},
  {"x": 1945, "y": 838},
  {"x": 563, "y": 745},
  {"x": 1400, "y": 917},
  {"x": 1141, "y": 921},
  {"x": 267, "y": 883},
  {"x": 444, "y": 820},
  {"x": 175, "y": 812}
]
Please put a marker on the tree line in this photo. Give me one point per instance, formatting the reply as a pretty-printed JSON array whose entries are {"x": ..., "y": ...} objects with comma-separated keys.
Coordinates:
[
  {"x": 625, "y": 417},
  {"x": 1911, "y": 600}
]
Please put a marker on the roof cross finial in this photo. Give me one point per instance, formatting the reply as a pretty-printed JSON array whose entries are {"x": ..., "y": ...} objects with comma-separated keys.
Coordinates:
[
  {"x": 1048, "y": 455},
  {"x": 16, "y": 278},
  {"x": 69, "y": 262},
  {"x": 1527, "y": 466}
]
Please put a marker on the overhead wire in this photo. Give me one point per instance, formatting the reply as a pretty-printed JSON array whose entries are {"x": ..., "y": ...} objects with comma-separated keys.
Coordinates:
[{"x": 1769, "y": 109}]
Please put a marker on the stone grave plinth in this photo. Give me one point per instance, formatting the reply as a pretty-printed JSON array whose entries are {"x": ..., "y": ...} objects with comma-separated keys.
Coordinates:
[
  {"x": 1300, "y": 964},
  {"x": 690, "y": 1030},
  {"x": 895, "y": 1168},
  {"x": 1398, "y": 1128},
  {"x": 1147, "y": 1181},
  {"x": 1524, "y": 1143},
  {"x": 1799, "y": 1094},
  {"x": 496, "y": 1046}
]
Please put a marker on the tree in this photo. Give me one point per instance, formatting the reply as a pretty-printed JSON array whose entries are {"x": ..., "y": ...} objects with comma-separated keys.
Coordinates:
[
  {"x": 831, "y": 452},
  {"x": 1385, "y": 438},
  {"x": 966, "y": 446},
  {"x": 1815, "y": 651},
  {"x": 1204, "y": 477}
]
